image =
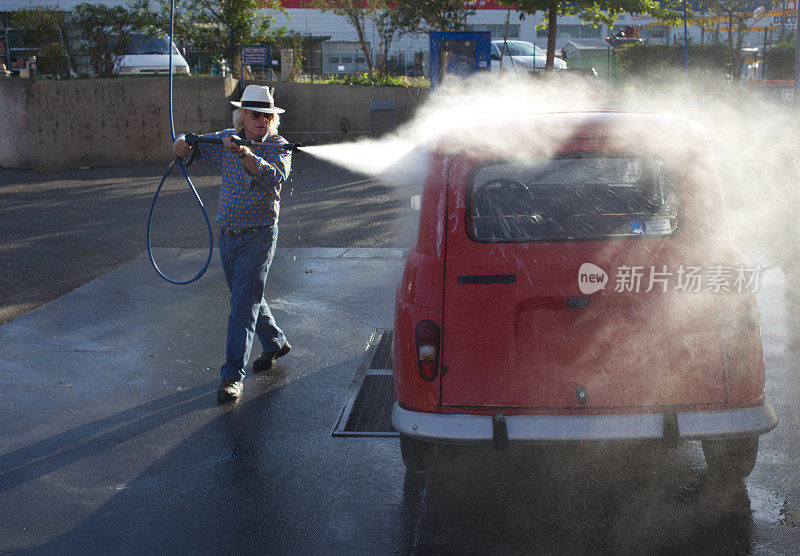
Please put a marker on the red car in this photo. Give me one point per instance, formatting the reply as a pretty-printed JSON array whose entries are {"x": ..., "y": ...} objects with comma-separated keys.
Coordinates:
[{"x": 573, "y": 280}]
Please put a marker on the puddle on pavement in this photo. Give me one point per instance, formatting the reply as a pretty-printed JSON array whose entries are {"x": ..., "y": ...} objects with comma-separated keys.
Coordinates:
[{"x": 769, "y": 507}]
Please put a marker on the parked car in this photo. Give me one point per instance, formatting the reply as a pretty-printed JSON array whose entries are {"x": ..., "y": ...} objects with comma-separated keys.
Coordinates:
[
  {"x": 520, "y": 57},
  {"x": 150, "y": 56},
  {"x": 572, "y": 289},
  {"x": 621, "y": 39}
]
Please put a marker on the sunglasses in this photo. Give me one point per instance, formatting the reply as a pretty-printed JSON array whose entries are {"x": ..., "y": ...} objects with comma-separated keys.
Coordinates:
[{"x": 259, "y": 115}]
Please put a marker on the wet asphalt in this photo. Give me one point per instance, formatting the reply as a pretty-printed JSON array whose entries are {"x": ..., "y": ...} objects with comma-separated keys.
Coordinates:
[{"x": 111, "y": 440}]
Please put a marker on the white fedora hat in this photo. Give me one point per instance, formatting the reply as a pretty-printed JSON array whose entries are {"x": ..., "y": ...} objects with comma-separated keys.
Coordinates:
[{"x": 258, "y": 99}]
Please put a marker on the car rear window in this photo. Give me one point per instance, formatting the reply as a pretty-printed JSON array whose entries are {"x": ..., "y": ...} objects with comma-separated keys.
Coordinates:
[{"x": 573, "y": 197}]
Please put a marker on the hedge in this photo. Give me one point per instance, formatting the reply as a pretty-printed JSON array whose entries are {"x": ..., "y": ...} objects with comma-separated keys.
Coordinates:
[{"x": 645, "y": 59}]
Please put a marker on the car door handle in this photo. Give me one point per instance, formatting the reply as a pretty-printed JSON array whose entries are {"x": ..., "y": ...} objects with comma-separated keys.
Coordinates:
[
  {"x": 578, "y": 302},
  {"x": 488, "y": 279}
]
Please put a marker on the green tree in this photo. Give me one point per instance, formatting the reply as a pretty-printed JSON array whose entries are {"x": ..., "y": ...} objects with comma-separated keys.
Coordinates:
[
  {"x": 734, "y": 17},
  {"x": 388, "y": 27},
  {"x": 292, "y": 41},
  {"x": 219, "y": 27},
  {"x": 393, "y": 18},
  {"x": 432, "y": 15},
  {"x": 592, "y": 11},
  {"x": 46, "y": 28},
  {"x": 106, "y": 32}
]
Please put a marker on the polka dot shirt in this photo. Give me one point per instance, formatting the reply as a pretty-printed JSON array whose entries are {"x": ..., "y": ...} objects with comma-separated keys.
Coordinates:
[{"x": 247, "y": 200}]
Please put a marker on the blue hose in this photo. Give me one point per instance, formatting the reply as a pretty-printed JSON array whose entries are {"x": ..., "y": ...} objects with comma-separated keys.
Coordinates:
[{"x": 185, "y": 175}]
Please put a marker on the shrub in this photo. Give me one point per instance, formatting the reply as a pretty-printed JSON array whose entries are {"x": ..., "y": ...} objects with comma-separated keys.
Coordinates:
[
  {"x": 106, "y": 33},
  {"x": 53, "y": 60},
  {"x": 779, "y": 62},
  {"x": 374, "y": 80},
  {"x": 45, "y": 28},
  {"x": 642, "y": 60}
]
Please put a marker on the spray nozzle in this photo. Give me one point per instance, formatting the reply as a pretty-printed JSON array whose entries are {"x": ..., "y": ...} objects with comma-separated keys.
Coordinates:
[
  {"x": 193, "y": 139},
  {"x": 295, "y": 146}
]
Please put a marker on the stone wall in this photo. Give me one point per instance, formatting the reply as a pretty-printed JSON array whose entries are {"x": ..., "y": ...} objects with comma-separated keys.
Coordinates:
[{"x": 106, "y": 122}]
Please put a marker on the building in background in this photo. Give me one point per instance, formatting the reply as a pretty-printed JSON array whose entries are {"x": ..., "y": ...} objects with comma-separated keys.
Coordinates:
[
  {"x": 501, "y": 22},
  {"x": 332, "y": 45}
]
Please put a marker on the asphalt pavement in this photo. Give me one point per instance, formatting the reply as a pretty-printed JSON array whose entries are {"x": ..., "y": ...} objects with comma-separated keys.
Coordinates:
[
  {"x": 111, "y": 440},
  {"x": 70, "y": 226}
]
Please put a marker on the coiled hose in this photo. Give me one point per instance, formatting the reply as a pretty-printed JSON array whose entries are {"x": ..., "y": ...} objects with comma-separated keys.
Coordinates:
[{"x": 185, "y": 175}]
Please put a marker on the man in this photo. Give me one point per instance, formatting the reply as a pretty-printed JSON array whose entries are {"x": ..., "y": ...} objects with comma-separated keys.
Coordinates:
[{"x": 249, "y": 203}]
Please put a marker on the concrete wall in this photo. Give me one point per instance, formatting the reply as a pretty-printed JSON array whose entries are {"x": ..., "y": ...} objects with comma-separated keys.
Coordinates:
[
  {"x": 316, "y": 111},
  {"x": 102, "y": 122},
  {"x": 106, "y": 122}
]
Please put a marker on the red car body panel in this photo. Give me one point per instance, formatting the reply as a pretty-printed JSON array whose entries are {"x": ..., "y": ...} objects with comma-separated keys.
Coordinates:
[{"x": 510, "y": 339}]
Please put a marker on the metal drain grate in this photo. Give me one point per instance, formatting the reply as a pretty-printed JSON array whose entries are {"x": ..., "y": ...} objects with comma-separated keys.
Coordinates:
[
  {"x": 368, "y": 409},
  {"x": 383, "y": 353},
  {"x": 372, "y": 410}
]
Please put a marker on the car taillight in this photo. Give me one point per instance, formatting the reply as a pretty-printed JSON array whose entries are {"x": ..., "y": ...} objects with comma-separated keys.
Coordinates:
[{"x": 427, "y": 336}]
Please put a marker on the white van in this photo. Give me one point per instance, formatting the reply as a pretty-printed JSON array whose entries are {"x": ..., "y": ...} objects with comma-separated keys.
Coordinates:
[
  {"x": 520, "y": 57},
  {"x": 150, "y": 56}
]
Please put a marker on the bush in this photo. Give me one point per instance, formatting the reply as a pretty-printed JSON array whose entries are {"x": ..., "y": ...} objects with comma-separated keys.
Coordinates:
[
  {"x": 45, "y": 28},
  {"x": 106, "y": 33},
  {"x": 779, "y": 63},
  {"x": 642, "y": 60},
  {"x": 53, "y": 60},
  {"x": 374, "y": 80}
]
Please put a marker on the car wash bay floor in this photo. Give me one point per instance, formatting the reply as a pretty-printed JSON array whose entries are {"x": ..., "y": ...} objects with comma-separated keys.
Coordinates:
[{"x": 111, "y": 440}]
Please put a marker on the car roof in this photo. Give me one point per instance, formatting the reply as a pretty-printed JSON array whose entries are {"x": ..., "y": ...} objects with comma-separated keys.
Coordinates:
[
  {"x": 599, "y": 114},
  {"x": 550, "y": 128},
  {"x": 607, "y": 116}
]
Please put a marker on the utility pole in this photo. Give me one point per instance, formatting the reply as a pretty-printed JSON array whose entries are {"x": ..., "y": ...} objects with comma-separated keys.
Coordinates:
[
  {"x": 797, "y": 54},
  {"x": 685, "y": 42}
]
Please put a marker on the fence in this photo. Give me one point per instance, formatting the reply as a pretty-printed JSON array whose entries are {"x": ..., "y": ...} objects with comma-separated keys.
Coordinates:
[
  {"x": 327, "y": 59},
  {"x": 344, "y": 58},
  {"x": 201, "y": 63},
  {"x": 606, "y": 64}
]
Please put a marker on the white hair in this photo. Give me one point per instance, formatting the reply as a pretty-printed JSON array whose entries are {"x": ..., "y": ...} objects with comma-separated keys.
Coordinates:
[{"x": 238, "y": 119}]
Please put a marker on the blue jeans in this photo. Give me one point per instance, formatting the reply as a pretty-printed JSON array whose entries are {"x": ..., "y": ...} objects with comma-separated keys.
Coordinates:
[{"x": 246, "y": 260}]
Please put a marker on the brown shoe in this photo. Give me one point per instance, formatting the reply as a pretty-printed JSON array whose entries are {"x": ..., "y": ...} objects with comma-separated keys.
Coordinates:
[
  {"x": 229, "y": 390},
  {"x": 267, "y": 359}
]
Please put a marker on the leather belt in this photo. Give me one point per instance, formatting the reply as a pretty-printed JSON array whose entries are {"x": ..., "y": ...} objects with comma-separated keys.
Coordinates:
[{"x": 237, "y": 233}]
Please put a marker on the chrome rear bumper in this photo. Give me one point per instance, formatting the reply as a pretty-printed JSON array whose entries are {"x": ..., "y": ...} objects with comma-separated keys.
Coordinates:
[{"x": 692, "y": 425}]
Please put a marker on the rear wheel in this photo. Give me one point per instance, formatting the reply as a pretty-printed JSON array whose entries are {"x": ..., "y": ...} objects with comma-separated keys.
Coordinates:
[
  {"x": 731, "y": 458},
  {"x": 417, "y": 454}
]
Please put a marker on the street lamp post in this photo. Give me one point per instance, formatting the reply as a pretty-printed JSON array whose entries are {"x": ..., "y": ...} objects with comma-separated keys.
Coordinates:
[
  {"x": 797, "y": 55},
  {"x": 685, "y": 42},
  {"x": 758, "y": 13}
]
